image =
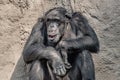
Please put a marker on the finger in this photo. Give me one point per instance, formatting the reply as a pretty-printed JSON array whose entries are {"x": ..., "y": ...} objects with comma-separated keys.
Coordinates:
[
  {"x": 62, "y": 73},
  {"x": 58, "y": 71},
  {"x": 55, "y": 71},
  {"x": 64, "y": 69}
]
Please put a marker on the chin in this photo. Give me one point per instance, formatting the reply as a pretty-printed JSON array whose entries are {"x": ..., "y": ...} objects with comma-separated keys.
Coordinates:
[{"x": 57, "y": 39}]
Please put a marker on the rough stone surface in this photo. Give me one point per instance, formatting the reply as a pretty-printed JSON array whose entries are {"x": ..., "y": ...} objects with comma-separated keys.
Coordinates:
[{"x": 17, "y": 18}]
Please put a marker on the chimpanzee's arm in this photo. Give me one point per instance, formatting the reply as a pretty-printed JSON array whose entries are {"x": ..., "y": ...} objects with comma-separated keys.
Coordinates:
[
  {"x": 89, "y": 41},
  {"x": 35, "y": 49}
]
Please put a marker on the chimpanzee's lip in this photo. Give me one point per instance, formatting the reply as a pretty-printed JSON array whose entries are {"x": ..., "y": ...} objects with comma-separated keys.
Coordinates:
[{"x": 52, "y": 36}]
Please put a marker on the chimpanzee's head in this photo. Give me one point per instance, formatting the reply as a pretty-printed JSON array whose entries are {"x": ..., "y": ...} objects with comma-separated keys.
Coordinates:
[{"x": 55, "y": 21}]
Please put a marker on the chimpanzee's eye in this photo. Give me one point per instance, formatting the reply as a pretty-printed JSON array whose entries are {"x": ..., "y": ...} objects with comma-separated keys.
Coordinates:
[{"x": 48, "y": 20}]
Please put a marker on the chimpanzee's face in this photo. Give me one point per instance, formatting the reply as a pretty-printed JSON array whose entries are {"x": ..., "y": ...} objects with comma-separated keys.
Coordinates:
[{"x": 55, "y": 28}]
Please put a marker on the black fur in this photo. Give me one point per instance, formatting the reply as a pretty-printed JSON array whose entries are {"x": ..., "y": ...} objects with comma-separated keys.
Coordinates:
[{"x": 44, "y": 59}]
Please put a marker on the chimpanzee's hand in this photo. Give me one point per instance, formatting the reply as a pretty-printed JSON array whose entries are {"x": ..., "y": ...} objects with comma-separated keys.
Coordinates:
[
  {"x": 61, "y": 45},
  {"x": 58, "y": 67}
]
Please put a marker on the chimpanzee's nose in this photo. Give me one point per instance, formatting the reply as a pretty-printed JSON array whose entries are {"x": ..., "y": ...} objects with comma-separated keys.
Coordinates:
[
  {"x": 51, "y": 30},
  {"x": 52, "y": 26}
]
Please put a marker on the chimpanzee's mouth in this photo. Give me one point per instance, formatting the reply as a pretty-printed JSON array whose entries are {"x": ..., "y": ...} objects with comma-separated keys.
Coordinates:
[{"x": 52, "y": 36}]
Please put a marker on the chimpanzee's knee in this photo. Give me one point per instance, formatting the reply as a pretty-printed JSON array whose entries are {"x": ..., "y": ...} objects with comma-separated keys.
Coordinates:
[{"x": 36, "y": 71}]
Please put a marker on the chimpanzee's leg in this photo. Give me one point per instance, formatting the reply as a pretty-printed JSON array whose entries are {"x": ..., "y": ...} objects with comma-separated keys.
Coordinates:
[
  {"x": 38, "y": 71},
  {"x": 83, "y": 67},
  {"x": 87, "y": 66},
  {"x": 75, "y": 71}
]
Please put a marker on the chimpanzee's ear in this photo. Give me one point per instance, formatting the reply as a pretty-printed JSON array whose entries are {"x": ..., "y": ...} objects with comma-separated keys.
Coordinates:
[
  {"x": 68, "y": 15},
  {"x": 41, "y": 23},
  {"x": 40, "y": 19}
]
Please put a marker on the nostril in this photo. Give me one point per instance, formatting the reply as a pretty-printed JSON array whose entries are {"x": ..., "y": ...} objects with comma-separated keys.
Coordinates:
[
  {"x": 51, "y": 31},
  {"x": 52, "y": 26}
]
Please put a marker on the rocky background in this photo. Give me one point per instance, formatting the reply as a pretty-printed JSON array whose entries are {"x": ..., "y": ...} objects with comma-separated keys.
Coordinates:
[{"x": 17, "y": 18}]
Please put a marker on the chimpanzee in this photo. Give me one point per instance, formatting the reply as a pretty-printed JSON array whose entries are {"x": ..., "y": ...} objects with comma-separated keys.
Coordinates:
[{"x": 59, "y": 38}]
